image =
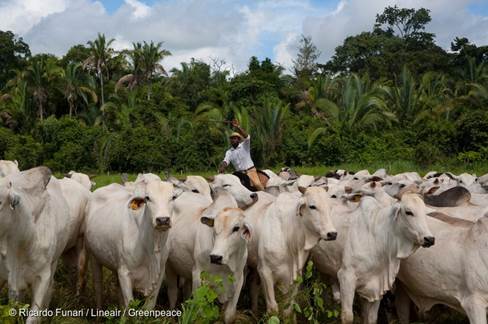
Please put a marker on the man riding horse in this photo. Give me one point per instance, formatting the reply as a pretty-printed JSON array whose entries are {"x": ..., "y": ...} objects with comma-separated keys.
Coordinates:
[{"x": 240, "y": 156}]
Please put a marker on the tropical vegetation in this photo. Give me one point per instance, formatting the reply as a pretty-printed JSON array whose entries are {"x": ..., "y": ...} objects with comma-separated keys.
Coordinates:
[{"x": 388, "y": 94}]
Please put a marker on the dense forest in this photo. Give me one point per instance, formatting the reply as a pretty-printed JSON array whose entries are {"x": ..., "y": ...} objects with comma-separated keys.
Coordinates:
[{"x": 387, "y": 94}]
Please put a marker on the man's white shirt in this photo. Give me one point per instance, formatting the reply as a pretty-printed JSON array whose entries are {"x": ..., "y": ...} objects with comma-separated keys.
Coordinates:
[{"x": 240, "y": 157}]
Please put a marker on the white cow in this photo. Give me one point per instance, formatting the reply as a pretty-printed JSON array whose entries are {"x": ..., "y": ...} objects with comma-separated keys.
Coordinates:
[
  {"x": 126, "y": 231},
  {"x": 378, "y": 238},
  {"x": 286, "y": 228},
  {"x": 81, "y": 178},
  {"x": 183, "y": 242},
  {"x": 8, "y": 167},
  {"x": 453, "y": 272},
  {"x": 37, "y": 225},
  {"x": 222, "y": 250}
]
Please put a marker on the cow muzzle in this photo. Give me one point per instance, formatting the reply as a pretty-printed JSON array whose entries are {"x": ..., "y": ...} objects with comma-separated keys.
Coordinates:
[
  {"x": 163, "y": 223},
  {"x": 428, "y": 241},
  {"x": 330, "y": 236},
  {"x": 216, "y": 259}
]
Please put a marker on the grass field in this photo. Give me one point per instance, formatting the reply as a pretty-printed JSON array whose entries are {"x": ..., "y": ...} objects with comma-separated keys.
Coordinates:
[{"x": 391, "y": 167}]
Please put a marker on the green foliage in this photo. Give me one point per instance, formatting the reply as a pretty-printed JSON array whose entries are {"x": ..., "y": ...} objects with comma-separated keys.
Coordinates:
[
  {"x": 9, "y": 313},
  {"x": 311, "y": 305},
  {"x": 201, "y": 307},
  {"x": 388, "y": 94}
]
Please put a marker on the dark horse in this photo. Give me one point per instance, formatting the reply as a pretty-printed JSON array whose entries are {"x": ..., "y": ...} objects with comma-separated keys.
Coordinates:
[{"x": 246, "y": 182}]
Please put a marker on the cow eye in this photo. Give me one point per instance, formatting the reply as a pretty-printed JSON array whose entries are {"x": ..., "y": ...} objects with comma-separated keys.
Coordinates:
[
  {"x": 226, "y": 185},
  {"x": 356, "y": 178},
  {"x": 235, "y": 229},
  {"x": 409, "y": 213},
  {"x": 388, "y": 183},
  {"x": 195, "y": 191},
  {"x": 334, "y": 196},
  {"x": 312, "y": 207},
  {"x": 147, "y": 198},
  {"x": 402, "y": 185}
]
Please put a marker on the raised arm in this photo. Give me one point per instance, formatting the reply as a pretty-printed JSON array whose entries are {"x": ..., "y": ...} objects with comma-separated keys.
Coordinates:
[{"x": 239, "y": 129}]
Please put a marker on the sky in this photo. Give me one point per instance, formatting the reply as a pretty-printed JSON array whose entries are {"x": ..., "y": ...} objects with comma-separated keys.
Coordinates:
[{"x": 228, "y": 30}]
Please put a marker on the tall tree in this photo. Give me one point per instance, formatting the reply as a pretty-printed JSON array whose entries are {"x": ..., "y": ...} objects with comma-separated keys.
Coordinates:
[
  {"x": 40, "y": 73},
  {"x": 101, "y": 52},
  {"x": 145, "y": 60},
  {"x": 73, "y": 87},
  {"x": 305, "y": 64},
  {"x": 13, "y": 55}
]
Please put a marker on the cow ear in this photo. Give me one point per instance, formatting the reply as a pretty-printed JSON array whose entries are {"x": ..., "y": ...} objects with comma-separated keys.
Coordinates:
[
  {"x": 395, "y": 211},
  {"x": 177, "y": 192},
  {"x": 207, "y": 221},
  {"x": 432, "y": 190},
  {"x": 246, "y": 232},
  {"x": 136, "y": 203},
  {"x": 302, "y": 189},
  {"x": 35, "y": 179},
  {"x": 16, "y": 162},
  {"x": 14, "y": 200}
]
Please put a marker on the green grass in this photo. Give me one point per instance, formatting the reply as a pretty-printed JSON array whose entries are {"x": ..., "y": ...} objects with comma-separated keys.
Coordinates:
[{"x": 395, "y": 167}]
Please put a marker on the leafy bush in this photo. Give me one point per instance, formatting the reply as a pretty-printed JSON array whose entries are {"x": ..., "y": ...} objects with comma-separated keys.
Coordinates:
[{"x": 25, "y": 150}]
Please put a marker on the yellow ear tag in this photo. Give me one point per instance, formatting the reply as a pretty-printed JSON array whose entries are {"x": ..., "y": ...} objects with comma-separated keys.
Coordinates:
[
  {"x": 136, "y": 203},
  {"x": 356, "y": 198}
]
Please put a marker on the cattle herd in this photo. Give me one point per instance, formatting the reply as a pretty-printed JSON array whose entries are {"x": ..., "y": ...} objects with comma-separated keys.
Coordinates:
[{"x": 425, "y": 239}]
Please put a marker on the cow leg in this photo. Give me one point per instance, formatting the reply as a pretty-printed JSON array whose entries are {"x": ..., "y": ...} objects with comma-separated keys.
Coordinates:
[
  {"x": 97, "y": 281},
  {"x": 40, "y": 294},
  {"x": 369, "y": 311},
  {"x": 402, "y": 304},
  {"x": 254, "y": 278},
  {"x": 266, "y": 276},
  {"x": 230, "y": 309},
  {"x": 336, "y": 291},
  {"x": 196, "y": 280},
  {"x": 125, "y": 285},
  {"x": 347, "y": 282},
  {"x": 475, "y": 309},
  {"x": 172, "y": 283},
  {"x": 82, "y": 260}
]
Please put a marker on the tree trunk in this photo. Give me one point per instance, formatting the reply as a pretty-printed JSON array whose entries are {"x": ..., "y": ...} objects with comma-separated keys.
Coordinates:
[{"x": 100, "y": 73}]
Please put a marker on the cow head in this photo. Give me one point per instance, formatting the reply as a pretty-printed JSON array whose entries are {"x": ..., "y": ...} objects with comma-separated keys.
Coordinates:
[
  {"x": 231, "y": 235},
  {"x": 154, "y": 199},
  {"x": 23, "y": 194},
  {"x": 410, "y": 215},
  {"x": 232, "y": 184},
  {"x": 314, "y": 209}
]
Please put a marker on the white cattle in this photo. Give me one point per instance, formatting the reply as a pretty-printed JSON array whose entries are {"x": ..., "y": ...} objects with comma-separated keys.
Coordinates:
[
  {"x": 286, "y": 228},
  {"x": 223, "y": 251},
  {"x": 38, "y": 226},
  {"x": 126, "y": 231},
  {"x": 183, "y": 241},
  {"x": 8, "y": 167},
  {"x": 453, "y": 272},
  {"x": 81, "y": 178},
  {"x": 376, "y": 242}
]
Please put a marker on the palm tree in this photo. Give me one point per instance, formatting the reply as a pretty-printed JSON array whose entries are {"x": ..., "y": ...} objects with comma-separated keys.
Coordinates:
[
  {"x": 101, "y": 52},
  {"x": 269, "y": 122},
  {"x": 145, "y": 60},
  {"x": 38, "y": 76},
  {"x": 358, "y": 107},
  {"x": 73, "y": 88}
]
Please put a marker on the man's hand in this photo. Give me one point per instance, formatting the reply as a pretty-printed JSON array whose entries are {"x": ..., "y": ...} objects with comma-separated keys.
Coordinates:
[
  {"x": 238, "y": 128},
  {"x": 222, "y": 167},
  {"x": 235, "y": 123}
]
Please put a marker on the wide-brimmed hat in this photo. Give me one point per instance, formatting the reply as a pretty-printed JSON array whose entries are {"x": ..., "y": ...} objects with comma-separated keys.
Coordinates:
[{"x": 236, "y": 134}]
